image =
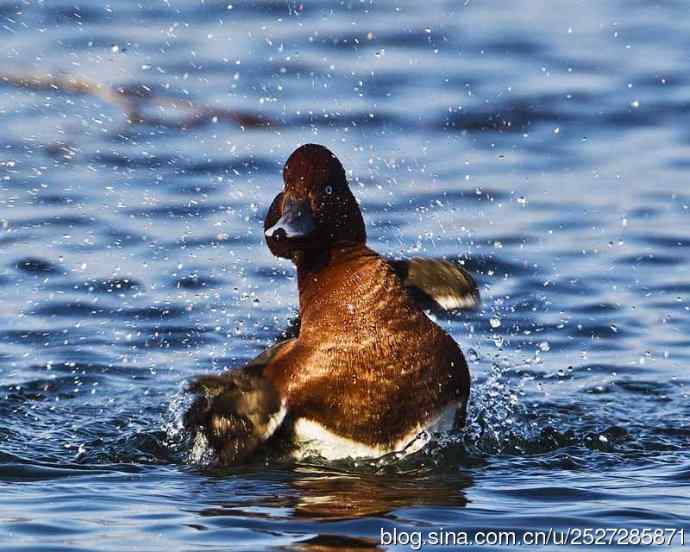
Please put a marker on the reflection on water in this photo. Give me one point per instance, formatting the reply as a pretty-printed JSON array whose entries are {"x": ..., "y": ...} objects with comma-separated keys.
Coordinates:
[
  {"x": 330, "y": 499},
  {"x": 336, "y": 542},
  {"x": 323, "y": 493}
]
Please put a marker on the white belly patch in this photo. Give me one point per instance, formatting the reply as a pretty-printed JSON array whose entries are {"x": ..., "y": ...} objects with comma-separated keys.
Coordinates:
[{"x": 313, "y": 438}]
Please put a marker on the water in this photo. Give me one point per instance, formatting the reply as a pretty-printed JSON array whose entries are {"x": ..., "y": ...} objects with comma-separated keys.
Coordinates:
[{"x": 547, "y": 145}]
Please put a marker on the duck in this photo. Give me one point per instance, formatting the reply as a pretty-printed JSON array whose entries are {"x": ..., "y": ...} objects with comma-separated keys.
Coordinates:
[{"x": 367, "y": 373}]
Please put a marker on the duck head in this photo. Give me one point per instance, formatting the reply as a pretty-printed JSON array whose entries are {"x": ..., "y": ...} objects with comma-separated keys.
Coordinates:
[{"x": 316, "y": 210}]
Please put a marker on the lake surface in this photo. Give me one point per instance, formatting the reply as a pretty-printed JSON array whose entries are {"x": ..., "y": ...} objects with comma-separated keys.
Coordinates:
[{"x": 546, "y": 145}]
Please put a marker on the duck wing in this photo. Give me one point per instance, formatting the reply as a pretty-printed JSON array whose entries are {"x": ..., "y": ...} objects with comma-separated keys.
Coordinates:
[
  {"x": 237, "y": 411},
  {"x": 437, "y": 283}
]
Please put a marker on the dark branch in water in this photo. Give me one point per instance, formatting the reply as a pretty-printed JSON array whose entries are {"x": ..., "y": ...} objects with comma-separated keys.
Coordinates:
[{"x": 134, "y": 99}]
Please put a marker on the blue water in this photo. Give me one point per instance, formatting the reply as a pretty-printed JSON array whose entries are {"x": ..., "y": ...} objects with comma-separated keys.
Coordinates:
[{"x": 545, "y": 144}]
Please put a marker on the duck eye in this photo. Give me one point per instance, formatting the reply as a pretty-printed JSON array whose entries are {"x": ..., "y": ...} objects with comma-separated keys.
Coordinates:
[{"x": 329, "y": 189}]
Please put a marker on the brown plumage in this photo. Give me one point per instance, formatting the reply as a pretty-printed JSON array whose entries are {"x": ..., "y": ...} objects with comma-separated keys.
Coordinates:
[
  {"x": 438, "y": 284},
  {"x": 236, "y": 411},
  {"x": 367, "y": 365}
]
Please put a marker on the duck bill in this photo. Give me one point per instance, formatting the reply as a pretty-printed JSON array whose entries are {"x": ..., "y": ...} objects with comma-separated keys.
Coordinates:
[{"x": 296, "y": 222}]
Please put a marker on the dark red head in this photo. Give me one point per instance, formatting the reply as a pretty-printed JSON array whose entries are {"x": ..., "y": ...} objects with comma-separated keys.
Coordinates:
[{"x": 316, "y": 209}]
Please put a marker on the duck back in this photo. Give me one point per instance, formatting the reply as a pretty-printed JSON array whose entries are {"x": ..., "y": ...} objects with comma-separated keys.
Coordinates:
[{"x": 369, "y": 365}]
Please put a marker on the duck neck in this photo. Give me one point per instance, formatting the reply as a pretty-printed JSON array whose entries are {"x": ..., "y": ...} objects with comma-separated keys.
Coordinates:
[{"x": 318, "y": 271}]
